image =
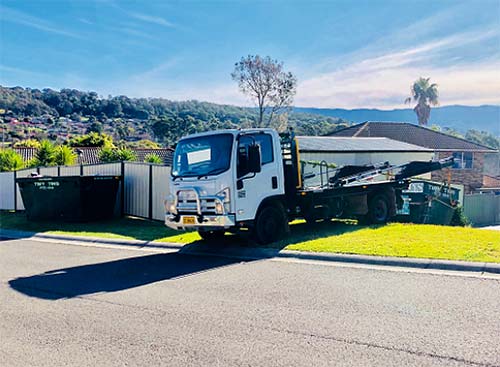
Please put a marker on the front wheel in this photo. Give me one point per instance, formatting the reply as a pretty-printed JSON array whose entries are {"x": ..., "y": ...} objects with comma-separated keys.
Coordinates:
[
  {"x": 211, "y": 236},
  {"x": 271, "y": 224}
]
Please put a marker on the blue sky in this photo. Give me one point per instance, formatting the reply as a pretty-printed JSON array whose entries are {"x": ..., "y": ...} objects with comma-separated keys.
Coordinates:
[{"x": 346, "y": 54}]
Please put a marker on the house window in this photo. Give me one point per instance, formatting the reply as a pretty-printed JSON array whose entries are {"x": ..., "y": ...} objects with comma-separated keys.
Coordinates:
[{"x": 463, "y": 160}]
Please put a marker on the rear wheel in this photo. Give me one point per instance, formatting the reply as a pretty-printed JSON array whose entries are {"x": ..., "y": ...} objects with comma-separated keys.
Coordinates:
[
  {"x": 271, "y": 224},
  {"x": 378, "y": 209},
  {"x": 211, "y": 236}
]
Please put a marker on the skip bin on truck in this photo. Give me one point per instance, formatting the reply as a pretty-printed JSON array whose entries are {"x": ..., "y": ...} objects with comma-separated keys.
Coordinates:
[{"x": 228, "y": 180}]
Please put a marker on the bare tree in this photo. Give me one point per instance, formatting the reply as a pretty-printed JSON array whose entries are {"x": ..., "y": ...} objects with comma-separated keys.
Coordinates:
[{"x": 267, "y": 83}]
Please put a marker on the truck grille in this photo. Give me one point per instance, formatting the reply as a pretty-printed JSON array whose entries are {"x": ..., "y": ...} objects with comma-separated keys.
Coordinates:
[{"x": 187, "y": 202}]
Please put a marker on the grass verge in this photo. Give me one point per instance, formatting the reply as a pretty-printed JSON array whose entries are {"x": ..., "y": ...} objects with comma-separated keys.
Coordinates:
[
  {"x": 404, "y": 240},
  {"x": 128, "y": 228},
  {"x": 346, "y": 237}
]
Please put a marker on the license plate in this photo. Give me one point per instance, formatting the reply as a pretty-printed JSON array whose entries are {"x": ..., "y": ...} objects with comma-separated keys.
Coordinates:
[{"x": 188, "y": 220}]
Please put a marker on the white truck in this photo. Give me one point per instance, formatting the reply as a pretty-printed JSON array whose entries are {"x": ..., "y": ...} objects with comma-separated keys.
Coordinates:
[{"x": 229, "y": 180}]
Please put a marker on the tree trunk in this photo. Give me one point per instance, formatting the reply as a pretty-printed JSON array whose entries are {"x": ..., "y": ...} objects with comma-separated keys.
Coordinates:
[
  {"x": 423, "y": 112},
  {"x": 261, "y": 114}
]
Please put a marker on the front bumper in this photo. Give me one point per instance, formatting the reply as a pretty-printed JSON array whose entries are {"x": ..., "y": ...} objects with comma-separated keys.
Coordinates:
[{"x": 184, "y": 221}]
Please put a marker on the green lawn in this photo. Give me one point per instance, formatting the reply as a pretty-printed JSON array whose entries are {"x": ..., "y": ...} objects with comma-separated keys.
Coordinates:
[
  {"x": 406, "y": 240},
  {"x": 129, "y": 228},
  {"x": 396, "y": 239}
]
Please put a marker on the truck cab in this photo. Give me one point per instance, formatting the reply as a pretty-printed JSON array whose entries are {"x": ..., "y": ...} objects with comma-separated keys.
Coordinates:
[{"x": 220, "y": 180}]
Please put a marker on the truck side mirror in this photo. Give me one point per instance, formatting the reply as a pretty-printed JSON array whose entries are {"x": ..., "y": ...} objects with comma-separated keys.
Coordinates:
[{"x": 254, "y": 158}]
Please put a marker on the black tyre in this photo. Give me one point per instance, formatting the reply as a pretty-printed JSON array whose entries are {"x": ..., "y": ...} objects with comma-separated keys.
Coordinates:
[
  {"x": 212, "y": 236},
  {"x": 378, "y": 209},
  {"x": 271, "y": 224}
]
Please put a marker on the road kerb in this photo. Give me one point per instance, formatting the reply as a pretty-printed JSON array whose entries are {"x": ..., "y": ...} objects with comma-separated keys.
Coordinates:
[{"x": 253, "y": 253}]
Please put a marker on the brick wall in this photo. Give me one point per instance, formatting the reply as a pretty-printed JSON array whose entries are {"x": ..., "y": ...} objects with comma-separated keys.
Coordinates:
[
  {"x": 471, "y": 178},
  {"x": 489, "y": 181}
]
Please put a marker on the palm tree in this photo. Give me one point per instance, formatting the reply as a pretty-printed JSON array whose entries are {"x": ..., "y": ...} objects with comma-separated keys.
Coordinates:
[{"x": 425, "y": 94}]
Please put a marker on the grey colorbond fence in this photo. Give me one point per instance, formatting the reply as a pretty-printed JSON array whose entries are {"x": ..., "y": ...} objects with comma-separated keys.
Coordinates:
[
  {"x": 482, "y": 209},
  {"x": 146, "y": 186}
]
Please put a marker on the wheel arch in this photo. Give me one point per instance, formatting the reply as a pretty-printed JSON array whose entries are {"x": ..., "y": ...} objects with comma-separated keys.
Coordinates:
[{"x": 275, "y": 200}]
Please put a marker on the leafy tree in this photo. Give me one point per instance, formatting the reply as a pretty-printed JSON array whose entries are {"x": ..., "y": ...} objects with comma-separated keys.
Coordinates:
[
  {"x": 153, "y": 158},
  {"x": 113, "y": 108},
  {"x": 125, "y": 154},
  {"x": 108, "y": 154},
  {"x": 452, "y": 132},
  {"x": 10, "y": 160},
  {"x": 484, "y": 138},
  {"x": 144, "y": 144},
  {"x": 162, "y": 128},
  {"x": 425, "y": 94},
  {"x": 123, "y": 131},
  {"x": 92, "y": 140},
  {"x": 45, "y": 155},
  {"x": 28, "y": 143},
  {"x": 95, "y": 127},
  {"x": 64, "y": 156},
  {"x": 265, "y": 81}
]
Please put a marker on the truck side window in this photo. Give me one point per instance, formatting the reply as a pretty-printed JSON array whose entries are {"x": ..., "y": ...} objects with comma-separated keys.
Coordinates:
[
  {"x": 266, "y": 145},
  {"x": 266, "y": 149}
]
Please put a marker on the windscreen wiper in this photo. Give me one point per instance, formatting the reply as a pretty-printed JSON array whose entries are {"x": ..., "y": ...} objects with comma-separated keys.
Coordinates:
[{"x": 212, "y": 172}]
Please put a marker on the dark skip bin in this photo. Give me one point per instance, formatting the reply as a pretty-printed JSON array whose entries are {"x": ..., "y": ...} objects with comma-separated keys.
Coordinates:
[
  {"x": 69, "y": 198},
  {"x": 431, "y": 202}
]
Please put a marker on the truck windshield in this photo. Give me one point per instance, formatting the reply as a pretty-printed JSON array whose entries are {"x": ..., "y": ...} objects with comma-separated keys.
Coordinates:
[{"x": 202, "y": 156}]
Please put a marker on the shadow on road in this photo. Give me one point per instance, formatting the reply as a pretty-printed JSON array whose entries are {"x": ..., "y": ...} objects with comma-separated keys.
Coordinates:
[
  {"x": 115, "y": 275},
  {"x": 133, "y": 272}
]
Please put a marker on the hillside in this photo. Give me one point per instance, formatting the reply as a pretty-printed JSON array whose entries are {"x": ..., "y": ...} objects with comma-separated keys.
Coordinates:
[
  {"x": 460, "y": 118},
  {"x": 62, "y": 115},
  {"x": 59, "y": 115}
]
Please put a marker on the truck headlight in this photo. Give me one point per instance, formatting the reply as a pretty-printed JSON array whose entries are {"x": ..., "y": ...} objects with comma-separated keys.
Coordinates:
[
  {"x": 170, "y": 205},
  {"x": 225, "y": 197},
  {"x": 219, "y": 207}
]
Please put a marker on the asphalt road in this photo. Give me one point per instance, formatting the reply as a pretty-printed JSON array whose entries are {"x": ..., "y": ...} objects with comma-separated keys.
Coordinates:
[{"x": 90, "y": 306}]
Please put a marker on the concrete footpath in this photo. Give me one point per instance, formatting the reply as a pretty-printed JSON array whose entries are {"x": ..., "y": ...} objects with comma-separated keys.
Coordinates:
[{"x": 256, "y": 253}]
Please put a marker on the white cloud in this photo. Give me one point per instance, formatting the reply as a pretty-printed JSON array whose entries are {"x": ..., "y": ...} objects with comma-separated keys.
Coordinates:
[
  {"x": 158, "y": 71},
  {"x": 86, "y": 21},
  {"x": 151, "y": 19},
  {"x": 472, "y": 84},
  {"x": 383, "y": 80},
  {"x": 132, "y": 32},
  {"x": 14, "y": 16},
  {"x": 20, "y": 72}
]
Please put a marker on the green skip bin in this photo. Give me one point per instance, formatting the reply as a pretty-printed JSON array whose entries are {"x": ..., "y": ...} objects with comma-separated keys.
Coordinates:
[{"x": 69, "y": 198}]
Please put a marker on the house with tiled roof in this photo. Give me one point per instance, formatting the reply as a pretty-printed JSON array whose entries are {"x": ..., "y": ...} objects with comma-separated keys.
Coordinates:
[{"x": 469, "y": 156}]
